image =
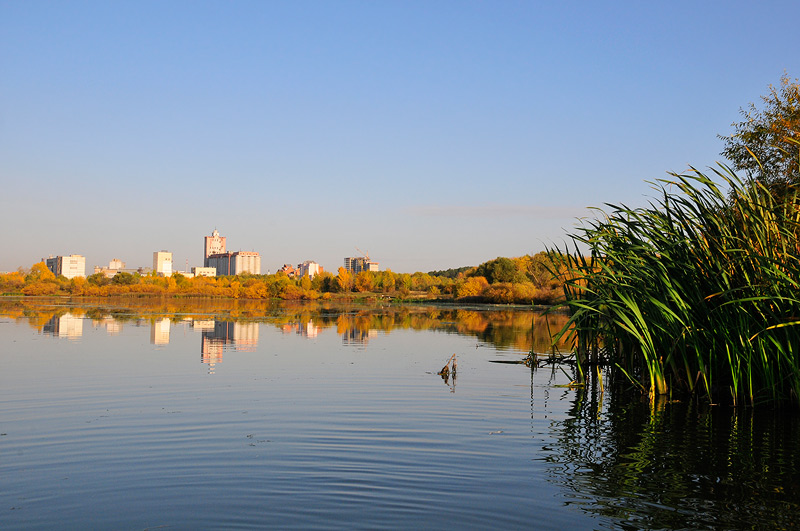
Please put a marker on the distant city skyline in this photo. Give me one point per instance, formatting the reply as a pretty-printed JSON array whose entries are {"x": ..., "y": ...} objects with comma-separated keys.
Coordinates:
[
  {"x": 435, "y": 135},
  {"x": 214, "y": 250}
]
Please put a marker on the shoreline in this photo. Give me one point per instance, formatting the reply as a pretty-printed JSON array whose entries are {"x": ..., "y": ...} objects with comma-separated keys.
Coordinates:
[{"x": 338, "y": 299}]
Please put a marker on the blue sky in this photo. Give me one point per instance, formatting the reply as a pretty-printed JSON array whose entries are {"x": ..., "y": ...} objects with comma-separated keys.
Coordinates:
[{"x": 430, "y": 134}]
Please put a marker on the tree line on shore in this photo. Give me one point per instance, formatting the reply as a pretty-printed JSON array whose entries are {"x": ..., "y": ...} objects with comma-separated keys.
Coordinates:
[{"x": 529, "y": 279}]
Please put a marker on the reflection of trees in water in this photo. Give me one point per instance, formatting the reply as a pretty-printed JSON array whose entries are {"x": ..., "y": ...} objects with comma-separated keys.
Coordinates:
[
  {"x": 518, "y": 329},
  {"x": 677, "y": 465}
]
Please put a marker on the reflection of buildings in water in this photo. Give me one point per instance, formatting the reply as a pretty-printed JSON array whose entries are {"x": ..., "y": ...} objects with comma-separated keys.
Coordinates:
[
  {"x": 210, "y": 352},
  {"x": 159, "y": 332},
  {"x": 356, "y": 336},
  {"x": 211, "y": 345},
  {"x": 243, "y": 337},
  {"x": 67, "y": 325},
  {"x": 308, "y": 330},
  {"x": 202, "y": 325},
  {"x": 112, "y": 326}
]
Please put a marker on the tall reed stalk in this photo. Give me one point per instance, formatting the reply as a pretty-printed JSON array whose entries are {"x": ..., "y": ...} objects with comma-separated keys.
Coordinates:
[{"x": 696, "y": 293}]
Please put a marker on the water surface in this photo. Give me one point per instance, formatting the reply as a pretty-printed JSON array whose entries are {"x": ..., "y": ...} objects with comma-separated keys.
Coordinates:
[{"x": 229, "y": 414}]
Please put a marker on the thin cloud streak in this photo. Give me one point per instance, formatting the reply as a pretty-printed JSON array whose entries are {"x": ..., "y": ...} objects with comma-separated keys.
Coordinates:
[{"x": 501, "y": 211}]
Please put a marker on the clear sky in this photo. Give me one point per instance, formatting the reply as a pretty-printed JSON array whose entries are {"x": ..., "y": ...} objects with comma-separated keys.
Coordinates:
[{"x": 431, "y": 134}]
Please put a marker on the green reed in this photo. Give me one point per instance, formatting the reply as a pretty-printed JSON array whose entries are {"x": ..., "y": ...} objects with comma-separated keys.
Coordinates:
[{"x": 696, "y": 293}]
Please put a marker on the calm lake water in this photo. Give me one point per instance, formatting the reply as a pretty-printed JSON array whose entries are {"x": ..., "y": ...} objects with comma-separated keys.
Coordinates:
[{"x": 226, "y": 414}]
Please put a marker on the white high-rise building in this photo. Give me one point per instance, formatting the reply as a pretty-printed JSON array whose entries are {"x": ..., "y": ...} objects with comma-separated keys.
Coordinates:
[
  {"x": 162, "y": 263},
  {"x": 309, "y": 268}
]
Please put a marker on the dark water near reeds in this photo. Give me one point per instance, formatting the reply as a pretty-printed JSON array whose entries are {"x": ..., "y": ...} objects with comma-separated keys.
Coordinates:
[{"x": 225, "y": 414}]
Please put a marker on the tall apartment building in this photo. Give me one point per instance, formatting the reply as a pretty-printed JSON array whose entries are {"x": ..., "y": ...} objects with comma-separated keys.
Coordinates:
[
  {"x": 357, "y": 264},
  {"x": 162, "y": 263},
  {"x": 235, "y": 263},
  {"x": 70, "y": 266},
  {"x": 214, "y": 244}
]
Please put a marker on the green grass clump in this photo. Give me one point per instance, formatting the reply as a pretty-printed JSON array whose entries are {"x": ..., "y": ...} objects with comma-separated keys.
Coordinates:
[{"x": 696, "y": 293}]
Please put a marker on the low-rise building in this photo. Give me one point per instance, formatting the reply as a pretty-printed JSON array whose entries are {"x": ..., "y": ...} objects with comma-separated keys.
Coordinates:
[
  {"x": 236, "y": 263},
  {"x": 114, "y": 266},
  {"x": 204, "y": 271},
  {"x": 288, "y": 270},
  {"x": 70, "y": 266}
]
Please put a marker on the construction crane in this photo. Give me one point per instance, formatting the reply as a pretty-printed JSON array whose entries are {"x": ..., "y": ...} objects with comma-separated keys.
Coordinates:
[{"x": 366, "y": 255}]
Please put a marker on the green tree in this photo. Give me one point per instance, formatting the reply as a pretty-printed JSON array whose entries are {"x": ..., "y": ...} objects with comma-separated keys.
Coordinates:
[
  {"x": 179, "y": 279},
  {"x": 450, "y": 273},
  {"x": 422, "y": 281},
  {"x": 499, "y": 270},
  {"x": 402, "y": 281},
  {"x": 277, "y": 284},
  {"x": 387, "y": 281},
  {"x": 122, "y": 278},
  {"x": 99, "y": 279},
  {"x": 323, "y": 281},
  {"x": 766, "y": 144},
  {"x": 539, "y": 270}
]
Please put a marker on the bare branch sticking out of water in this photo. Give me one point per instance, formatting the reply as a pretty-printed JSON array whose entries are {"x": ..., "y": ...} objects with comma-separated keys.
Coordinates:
[
  {"x": 449, "y": 370},
  {"x": 449, "y": 367}
]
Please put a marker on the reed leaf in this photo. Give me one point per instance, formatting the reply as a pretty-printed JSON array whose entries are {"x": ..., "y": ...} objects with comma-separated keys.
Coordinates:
[{"x": 697, "y": 288}]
